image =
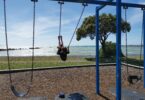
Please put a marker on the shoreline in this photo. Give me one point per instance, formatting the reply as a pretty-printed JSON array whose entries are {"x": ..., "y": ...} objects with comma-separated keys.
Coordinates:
[{"x": 74, "y": 51}]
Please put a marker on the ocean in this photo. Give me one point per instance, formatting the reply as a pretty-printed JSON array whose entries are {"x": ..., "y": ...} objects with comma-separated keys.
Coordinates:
[{"x": 74, "y": 51}]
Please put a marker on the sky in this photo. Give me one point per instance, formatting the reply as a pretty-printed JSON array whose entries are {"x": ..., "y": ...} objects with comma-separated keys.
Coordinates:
[{"x": 19, "y": 23}]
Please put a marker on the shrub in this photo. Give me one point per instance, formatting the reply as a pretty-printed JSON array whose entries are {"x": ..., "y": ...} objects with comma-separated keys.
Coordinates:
[{"x": 110, "y": 50}]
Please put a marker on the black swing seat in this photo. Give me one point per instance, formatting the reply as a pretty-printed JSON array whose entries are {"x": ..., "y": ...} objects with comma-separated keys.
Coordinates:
[
  {"x": 132, "y": 79},
  {"x": 62, "y": 52},
  {"x": 19, "y": 94}
]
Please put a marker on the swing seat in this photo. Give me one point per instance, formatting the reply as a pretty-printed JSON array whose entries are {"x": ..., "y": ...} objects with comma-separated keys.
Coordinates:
[
  {"x": 132, "y": 79},
  {"x": 16, "y": 93},
  {"x": 62, "y": 52}
]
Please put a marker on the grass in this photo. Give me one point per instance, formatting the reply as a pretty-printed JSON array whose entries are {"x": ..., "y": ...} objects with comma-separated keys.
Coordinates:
[
  {"x": 130, "y": 60},
  {"x": 54, "y": 61},
  {"x": 25, "y": 62},
  {"x": 136, "y": 57},
  {"x": 134, "y": 61}
]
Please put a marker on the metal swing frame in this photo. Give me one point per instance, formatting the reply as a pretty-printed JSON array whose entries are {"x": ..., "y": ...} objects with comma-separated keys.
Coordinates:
[{"x": 119, "y": 4}]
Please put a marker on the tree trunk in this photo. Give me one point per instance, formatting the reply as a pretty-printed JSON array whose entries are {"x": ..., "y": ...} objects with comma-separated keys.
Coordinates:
[{"x": 104, "y": 48}]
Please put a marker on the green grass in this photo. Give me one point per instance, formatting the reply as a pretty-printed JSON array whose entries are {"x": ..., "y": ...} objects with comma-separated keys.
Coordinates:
[
  {"x": 130, "y": 60},
  {"x": 25, "y": 62},
  {"x": 136, "y": 57},
  {"x": 134, "y": 61},
  {"x": 54, "y": 61}
]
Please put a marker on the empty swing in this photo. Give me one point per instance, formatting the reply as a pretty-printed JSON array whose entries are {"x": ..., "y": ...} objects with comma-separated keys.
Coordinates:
[
  {"x": 133, "y": 79},
  {"x": 62, "y": 50},
  {"x": 12, "y": 86}
]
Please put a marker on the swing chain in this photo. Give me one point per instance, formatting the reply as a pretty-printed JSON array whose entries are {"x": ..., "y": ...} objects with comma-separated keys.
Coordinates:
[
  {"x": 143, "y": 9},
  {"x": 84, "y": 6},
  {"x": 34, "y": 0},
  {"x": 6, "y": 40},
  {"x": 125, "y": 7},
  {"x": 61, "y": 3},
  {"x": 126, "y": 43},
  {"x": 142, "y": 35},
  {"x": 33, "y": 41}
]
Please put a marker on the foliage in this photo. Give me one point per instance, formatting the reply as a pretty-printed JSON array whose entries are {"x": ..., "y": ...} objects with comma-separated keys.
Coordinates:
[
  {"x": 107, "y": 26},
  {"x": 110, "y": 50}
]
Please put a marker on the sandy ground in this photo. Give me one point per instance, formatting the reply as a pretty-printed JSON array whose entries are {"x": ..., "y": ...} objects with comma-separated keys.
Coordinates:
[{"x": 50, "y": 83}]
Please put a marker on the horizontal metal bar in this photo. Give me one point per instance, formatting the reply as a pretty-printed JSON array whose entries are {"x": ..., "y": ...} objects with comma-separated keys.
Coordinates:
[
  {"x": 102, "y": 6},
  {"x": 98, "y": 2}
]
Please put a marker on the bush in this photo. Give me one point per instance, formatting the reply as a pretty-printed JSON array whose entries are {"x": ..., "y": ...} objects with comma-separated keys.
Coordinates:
[{"x": 110, "y": 50}]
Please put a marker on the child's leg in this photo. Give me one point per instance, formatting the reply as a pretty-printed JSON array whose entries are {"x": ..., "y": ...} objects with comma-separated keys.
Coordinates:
[{"x": 60, "y": 40}]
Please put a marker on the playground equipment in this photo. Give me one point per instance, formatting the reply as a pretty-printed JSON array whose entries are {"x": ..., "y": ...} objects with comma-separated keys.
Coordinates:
[
  {"x": 132, "y": 79},
  {"x": 17, "y": 93},
  {"x": 63, "y": 51},
  {"x": 118, "y": 4},
  {"x": 103, "y": 3}
]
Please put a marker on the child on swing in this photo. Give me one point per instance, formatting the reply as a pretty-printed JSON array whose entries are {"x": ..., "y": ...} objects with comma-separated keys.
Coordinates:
[{"x": 62, "y": 51}]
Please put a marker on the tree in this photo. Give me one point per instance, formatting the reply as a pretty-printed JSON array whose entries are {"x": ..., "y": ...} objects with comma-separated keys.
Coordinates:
[{"x": 107, "y": 26}]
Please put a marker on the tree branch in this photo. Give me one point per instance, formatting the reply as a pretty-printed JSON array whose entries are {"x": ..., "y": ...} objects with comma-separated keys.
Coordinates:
[{"x": 108, "y": 35}]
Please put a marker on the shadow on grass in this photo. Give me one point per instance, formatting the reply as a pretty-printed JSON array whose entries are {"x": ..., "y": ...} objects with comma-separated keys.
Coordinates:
[
  {"x": 132, "y": 61},
  {"x": 102, "y": 60}
]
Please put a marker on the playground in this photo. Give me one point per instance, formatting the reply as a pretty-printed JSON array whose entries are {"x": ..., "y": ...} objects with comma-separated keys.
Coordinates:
[
  {"x": 81, "y": 79},
  {"x": 49, "y": 83}
]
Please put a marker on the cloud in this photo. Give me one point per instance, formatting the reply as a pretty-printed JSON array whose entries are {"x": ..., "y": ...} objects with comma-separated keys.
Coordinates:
[
  {"x": 20, "y": 33},
  {"x": 47, "y": 24},
  {"x": 43, "y": 24}
]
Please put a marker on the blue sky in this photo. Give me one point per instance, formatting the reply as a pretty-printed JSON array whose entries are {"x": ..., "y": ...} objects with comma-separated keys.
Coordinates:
[{"x": 19, "y": 19}]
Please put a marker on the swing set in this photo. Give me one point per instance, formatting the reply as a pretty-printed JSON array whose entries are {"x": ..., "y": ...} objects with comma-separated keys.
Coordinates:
[
  {"x": 64, "y": 50},
  {"x": 12, "y": 86},
  {"x": 133, "y": 79}
]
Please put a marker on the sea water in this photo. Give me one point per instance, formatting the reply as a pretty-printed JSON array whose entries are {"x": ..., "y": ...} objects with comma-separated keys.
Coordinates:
[{"x": 74, "y": 51}]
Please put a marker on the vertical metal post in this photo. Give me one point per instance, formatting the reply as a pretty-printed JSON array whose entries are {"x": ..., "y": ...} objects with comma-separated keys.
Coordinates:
[
  {"x": 97, "y": 52},
  {"x": 144, "y": 42},
  {"x": 118, "y": 48}
]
